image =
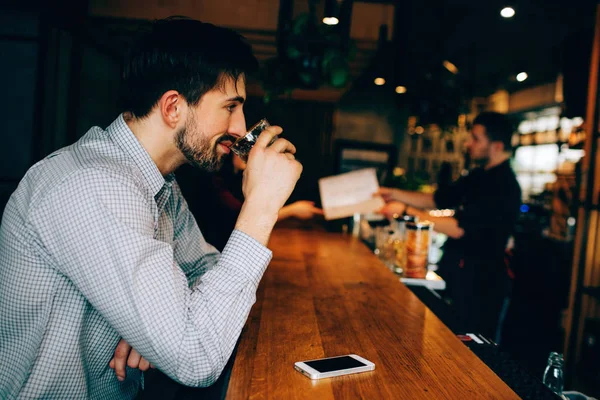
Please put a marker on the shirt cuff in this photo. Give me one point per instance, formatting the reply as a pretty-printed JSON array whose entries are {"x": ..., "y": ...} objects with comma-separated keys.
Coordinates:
[{"x": 251, "y": 257}]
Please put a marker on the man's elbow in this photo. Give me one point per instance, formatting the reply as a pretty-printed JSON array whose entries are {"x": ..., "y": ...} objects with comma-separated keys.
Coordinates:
[
  {"x": 197, "y": 373},
  {"x": 204, "y": 379}
]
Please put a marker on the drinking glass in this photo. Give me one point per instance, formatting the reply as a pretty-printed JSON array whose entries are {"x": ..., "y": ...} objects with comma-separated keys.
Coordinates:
[{"x": 243, "y": 145}]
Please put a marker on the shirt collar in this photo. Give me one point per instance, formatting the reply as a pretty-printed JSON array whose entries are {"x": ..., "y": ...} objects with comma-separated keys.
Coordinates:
[{"x": 120, "y": 133}]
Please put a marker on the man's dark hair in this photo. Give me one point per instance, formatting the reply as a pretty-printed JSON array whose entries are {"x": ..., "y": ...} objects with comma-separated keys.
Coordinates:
[
  {"x": 498, "y": 128},
  {"x": 185, "y": 55}
]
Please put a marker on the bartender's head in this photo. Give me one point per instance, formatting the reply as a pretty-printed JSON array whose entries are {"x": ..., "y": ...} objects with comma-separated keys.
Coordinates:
[{"x": 490, "y": 140}]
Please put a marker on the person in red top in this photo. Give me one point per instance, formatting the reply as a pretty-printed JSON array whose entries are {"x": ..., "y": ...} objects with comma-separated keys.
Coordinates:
[{"x": 215, "y": 200}]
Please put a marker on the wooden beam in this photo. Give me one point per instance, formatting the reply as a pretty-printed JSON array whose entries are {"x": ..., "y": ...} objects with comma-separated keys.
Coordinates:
[{"x": 587, "y": 216}]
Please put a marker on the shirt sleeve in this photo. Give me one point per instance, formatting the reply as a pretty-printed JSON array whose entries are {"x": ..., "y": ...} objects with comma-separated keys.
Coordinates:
[{"x": 98, "y": 232}]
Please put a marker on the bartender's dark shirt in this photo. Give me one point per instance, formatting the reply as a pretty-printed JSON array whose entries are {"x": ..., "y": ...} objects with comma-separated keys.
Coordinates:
[{"x": 486, "y": 204}]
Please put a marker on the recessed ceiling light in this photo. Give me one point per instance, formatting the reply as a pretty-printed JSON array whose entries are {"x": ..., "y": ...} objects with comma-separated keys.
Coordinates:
[
  {"x": 400, "y": 89},
  {"x": 331, "y": 21},
  {"x": 379, "y": 81},
  {"x": 507, "y": 12},
  {"x": 521, "y": 76},
  {"x": 450, "y": 67}
]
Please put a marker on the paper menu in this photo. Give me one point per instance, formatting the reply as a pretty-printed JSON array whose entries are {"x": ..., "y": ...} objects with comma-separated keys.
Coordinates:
[{"x": 350, "y": 193}]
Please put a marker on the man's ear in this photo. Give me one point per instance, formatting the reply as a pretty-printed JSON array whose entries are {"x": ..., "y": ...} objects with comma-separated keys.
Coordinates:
[
  {"x": 171, "y": 105},
  {"x": 498, "y": 147}
]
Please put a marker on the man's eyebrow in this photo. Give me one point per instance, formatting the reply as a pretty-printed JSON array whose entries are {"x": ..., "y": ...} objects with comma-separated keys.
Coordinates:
[{"x": 239, "y": 99}]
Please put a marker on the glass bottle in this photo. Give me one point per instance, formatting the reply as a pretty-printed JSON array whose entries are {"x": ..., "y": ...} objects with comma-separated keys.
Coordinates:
[{"x": 553, "y": 375}]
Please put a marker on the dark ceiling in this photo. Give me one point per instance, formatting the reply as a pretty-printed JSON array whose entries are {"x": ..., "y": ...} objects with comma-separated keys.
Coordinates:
[
  {"x": 487, "y": 49},
  {"x": 541, "y": 39}
]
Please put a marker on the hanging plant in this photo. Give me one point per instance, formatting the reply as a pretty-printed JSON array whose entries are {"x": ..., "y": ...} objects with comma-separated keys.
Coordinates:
[{"x": 313, "y": 57}]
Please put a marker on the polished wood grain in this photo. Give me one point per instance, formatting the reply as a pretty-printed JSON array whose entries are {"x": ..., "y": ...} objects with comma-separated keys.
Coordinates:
[{"x": 325, "y": 294}]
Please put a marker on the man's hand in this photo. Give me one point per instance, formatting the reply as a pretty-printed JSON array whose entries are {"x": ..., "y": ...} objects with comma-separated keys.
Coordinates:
[
  {"x": 302, "y": 209},
  {"x": 125, "y": 354},
  {"x": 393, "y": 208},
  {"x": 269, "y": 179},
  {"x": 272, "y": 171},
  {"x": 388, "y": 194}
]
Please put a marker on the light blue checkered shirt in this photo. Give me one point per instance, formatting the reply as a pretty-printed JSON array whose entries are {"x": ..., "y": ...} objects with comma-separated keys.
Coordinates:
[{"x": 96, "y": 245}]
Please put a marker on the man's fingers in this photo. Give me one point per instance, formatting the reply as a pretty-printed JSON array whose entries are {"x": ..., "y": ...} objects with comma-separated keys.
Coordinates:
[
  {"x": 134, "y": 359},
  {"x": 283, "y": 146},
  {"x": 120, "y": 359},
  {"x": 144, "y": 364},
  {"x": 267, "y": 135}
]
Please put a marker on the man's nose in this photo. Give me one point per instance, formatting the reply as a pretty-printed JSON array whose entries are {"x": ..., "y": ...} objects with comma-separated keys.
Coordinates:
[{"x": 237, "y": 126}]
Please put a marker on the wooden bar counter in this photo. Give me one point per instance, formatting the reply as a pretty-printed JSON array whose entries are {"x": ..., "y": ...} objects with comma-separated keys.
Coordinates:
[{"x": 324, "y": 295}]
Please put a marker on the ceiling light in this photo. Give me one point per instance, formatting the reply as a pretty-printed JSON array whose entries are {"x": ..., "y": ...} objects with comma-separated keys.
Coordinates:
[
  {"x": 400, "y": 89},
  {"x": 507, "y": 12},
  {"x": 450, "y": 67},
  {"x": 331, "y": 21},
  {"x": 379, "y": 81},
  {"x": 419, "y": 130},
  {"x": 521, "y": 76}
]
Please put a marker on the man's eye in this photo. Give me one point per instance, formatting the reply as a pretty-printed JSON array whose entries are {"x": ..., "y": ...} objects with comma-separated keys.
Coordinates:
[{"x": 231, "y": 107}]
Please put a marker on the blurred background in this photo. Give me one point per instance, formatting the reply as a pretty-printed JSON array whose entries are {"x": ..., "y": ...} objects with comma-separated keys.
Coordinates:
[{"x": 393, "y": 84}]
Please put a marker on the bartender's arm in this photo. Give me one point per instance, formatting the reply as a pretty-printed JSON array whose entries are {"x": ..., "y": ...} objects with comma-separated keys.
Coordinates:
[
  {"x": 447, "y": 225},
  {"x": 408, "y": 197}
]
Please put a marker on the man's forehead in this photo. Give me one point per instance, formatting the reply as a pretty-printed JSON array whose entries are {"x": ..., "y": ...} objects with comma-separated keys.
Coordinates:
[{"x": 231, "y": 88}]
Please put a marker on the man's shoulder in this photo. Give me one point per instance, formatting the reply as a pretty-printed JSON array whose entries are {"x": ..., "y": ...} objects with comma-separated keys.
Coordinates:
[{"x": 92, "y": 162}]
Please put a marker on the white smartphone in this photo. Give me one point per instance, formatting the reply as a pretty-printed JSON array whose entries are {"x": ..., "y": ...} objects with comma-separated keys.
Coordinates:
[{"x": 334, "y": 366}]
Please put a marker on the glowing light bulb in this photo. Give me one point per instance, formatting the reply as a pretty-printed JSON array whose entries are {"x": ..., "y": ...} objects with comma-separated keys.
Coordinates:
[
  {"x": 521, "y": 76},
  {"x": 507, "y": 12},
  {"x": 331, "y": 21}
]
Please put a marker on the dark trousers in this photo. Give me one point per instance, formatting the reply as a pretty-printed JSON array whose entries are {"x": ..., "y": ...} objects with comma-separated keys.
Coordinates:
[{"x": 478, "y": 293}]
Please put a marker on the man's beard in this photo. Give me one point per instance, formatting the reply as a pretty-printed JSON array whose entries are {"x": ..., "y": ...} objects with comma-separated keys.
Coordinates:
[
  {"x": 197, "y": 148},
  {"x": 480, "y": 162}
]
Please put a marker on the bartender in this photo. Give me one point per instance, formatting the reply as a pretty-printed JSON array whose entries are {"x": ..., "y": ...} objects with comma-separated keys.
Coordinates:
[{"x": 486, "y": 204}]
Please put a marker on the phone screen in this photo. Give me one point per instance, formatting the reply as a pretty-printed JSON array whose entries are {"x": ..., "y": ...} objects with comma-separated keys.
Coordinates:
[{"x": 334, "y": 364}]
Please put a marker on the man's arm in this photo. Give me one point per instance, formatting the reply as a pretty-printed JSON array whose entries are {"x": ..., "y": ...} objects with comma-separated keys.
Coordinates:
[
  {"x": 100, "y": 235},
  {"x": 446, "y": 225},
  {"x": 414, "y": 199},
  {"x": 269, "y": 179},
  {"x": 302, "y": 209}
]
